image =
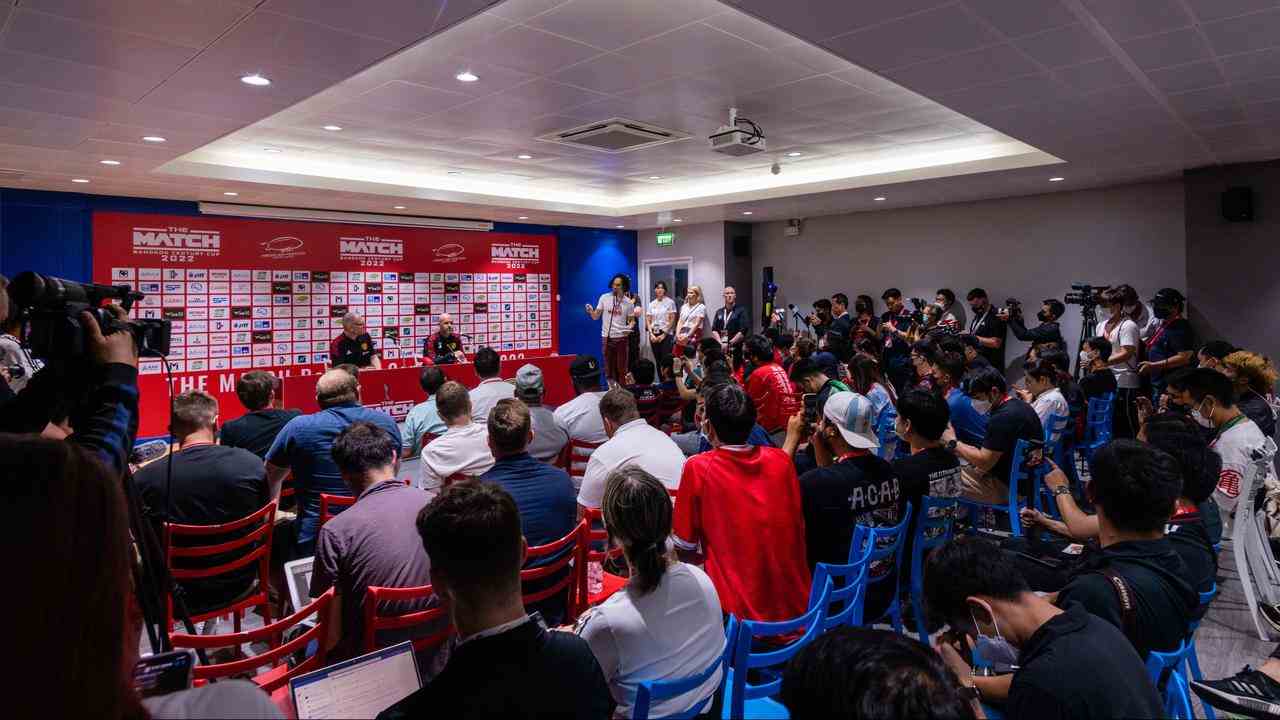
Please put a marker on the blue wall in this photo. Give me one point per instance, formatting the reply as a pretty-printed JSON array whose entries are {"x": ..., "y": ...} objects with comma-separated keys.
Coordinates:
[{"x": 52, "y": 233}]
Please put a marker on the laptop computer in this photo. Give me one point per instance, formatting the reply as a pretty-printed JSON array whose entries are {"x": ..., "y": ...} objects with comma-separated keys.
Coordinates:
[
  {"x": 360, "y": 687},
  {"x": 297, "y": 575}
]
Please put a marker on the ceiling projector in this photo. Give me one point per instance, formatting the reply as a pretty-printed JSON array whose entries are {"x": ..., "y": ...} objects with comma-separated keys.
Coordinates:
[{"x": 740, "y": 137}]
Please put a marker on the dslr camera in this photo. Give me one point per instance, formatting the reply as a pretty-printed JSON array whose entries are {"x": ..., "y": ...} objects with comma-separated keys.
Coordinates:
[
  {"x": 53, "y": 305},
  {"x": 917, "y": 315},
  {"x": 1012, "y": 307},
  {"x": 1084, "y": 294}
]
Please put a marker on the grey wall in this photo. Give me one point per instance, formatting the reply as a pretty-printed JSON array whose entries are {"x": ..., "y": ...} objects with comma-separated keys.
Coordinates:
[
  {"x": 738, "y": 271},
  {"x": 1232, "y": 266},
  {"x": 1027, "y": 247},
  {"x": 704, "y": 242}
]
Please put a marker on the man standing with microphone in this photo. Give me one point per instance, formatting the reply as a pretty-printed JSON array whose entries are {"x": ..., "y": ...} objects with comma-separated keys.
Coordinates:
[{"x": 619, "y": 311}]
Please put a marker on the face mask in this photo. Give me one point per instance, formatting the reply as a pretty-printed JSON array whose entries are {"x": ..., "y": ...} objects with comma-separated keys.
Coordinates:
[
  {"x": 1201, "y": 418},
  {"x": 992, "y": 651},
  {"x": 1042, "y": 316},
  {"x": 982, "y": 406},
  {"x": 1086, "y": 358},
  {"x": 1161, "y": 311}
]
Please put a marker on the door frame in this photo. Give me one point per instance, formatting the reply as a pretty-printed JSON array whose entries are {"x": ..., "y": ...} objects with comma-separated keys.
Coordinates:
[{"x": 646, "y": 264}]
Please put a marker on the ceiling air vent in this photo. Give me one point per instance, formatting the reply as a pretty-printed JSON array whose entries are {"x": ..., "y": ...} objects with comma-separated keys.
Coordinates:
[{"x": 615, "y": 135}]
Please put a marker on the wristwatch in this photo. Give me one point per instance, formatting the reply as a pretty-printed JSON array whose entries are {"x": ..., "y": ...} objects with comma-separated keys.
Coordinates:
[
  {"x": 1061, "y": 490},
  {"x": 951, "y": 446}
]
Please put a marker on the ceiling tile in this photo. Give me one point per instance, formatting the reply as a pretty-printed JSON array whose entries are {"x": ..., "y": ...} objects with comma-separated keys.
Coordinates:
[
  {"x": 71, "y": 77},
  {"x": 687, "y": 94},
  {"x": 918, "y": 38},
  {"x": 1019, "y": 17},
  {"x": 267, "y": 40},
  {"x": 1268, "y": 111},
  {"x": 612, "y": 24},
  {"x": 1166, "y": 49},
  {"x": 850, "y": 107},
  {"x": 691, "y": 49},
  {"x": 738, "y": 79},
  {"x": 819, "y": 59},
  {"x": 1204, "y": 99},
  {"x": 820, "y": 19},
  {"x": 811, "y": 91},
  {"x": 1127, "y": 19},
  {"x": 399, "y": 21},
  {"x": 991, "y": 64},
  {"x": 408, "y": 97},
  {"x": 543, "y": 97},
  {"x": 1028, "y": 89},
  {"x": 1096, "y": 75},
  {"x": 750, "y": 29},
  {"x": 1187, "y": 77},
  {"x": 210, "y": 86},
  {"x": 193, "y": 24},
  {"x": 521, "y": 10},
  {"x": 865, "y": 80},
  {"x": 1258, "y": 90},
  {"x": 441, "y": 72},
  {"x": 1252, "y": 66},
  {"x": 1247, "y": 32},
  {"x": 80, "y": 42},
  {"x": 1229, "y": 137},
  {"x": 1224, "y": 115},
  {"x": 608, "y": 74},
  {"x": 1209, "y": 10},
  {"x": 17, "y": 119},
  {"x": 533, "y": 51},
  {"x": 1070, "y": 45}
]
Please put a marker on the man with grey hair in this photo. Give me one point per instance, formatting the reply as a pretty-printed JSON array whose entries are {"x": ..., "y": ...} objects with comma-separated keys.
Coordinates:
[
  {"x": 548, "y": 437},
  {"x": 207, "y": 484},
  {"x": 305, "y": 444},
  {"x": 354, "y": 345}
]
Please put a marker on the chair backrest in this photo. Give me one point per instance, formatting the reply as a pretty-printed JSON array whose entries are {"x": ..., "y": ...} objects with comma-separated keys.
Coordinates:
[
  {"x": 270, "y": 635},
  {"x": 598, "y": 536},
  {"x": 847, "y": 586},
  {"x": 1099, "y": 418},
  {"x": 1165, "y": 671},
  {"x": 568, "y": 550},
  {"x": 885, "y": 433},
  {"x": 575, "y": 455},
  {"x": 331, "y": 505},
  {"x": 1018, "y": 471},
  {"x": 651, "y": 691},
  {"x": 253, "y": 546},
  {"x": 374, "y": 621},
  {"x": 744, "y": 659},
  {"x": 1055, "y": 433},
  {"x": 878, "y": 544},
  {"x": 934, "y": 525}
]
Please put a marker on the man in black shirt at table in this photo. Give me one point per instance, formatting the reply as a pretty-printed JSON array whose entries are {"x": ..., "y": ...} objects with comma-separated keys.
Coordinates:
[
  {"x": 987, "y": 327},
  {"x": 1172, "y": 345},
  {"x": 208, "y": 484},
  {"x": 444, "y": 347},
  {"x": 1070, "y": 664},
  {"x": 259, "y": 392},
  {"x": 504, "y": 663},
  {"x": 1010, "y": 419},
  {"x": 354, "y": 346}
]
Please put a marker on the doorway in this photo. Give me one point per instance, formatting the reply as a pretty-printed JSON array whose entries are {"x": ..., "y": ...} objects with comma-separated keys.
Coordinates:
[{"x": 672, "y": 271}]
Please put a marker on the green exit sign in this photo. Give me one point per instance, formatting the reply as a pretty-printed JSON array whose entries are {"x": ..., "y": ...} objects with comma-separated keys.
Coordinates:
[{"x": 666, "y": 238}]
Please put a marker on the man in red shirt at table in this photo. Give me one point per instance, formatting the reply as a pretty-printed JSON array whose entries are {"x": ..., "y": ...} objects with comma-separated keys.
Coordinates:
[
  {"x": 770, "y": 389},
  {"x": 738, "y": 509}
]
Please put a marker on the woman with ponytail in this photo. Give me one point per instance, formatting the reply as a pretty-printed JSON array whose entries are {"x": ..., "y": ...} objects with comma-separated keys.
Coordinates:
[{"x": 666, "y": 623}]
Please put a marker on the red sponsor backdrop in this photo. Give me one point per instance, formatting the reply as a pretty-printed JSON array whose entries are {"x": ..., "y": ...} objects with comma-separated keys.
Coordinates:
[{"x": 264, "y": 294}]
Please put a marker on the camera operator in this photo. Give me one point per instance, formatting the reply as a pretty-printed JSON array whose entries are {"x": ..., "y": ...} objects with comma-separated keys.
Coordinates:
[
  {"x": 1172, "y": 345},
  {"x": 16, "y": 364},
  {"x": 820, "y": 318},
  {"x": 987, "y": 327},
  {"x": 1051, "y": 310},
  {"x": 952, "y": 314},
  {"x": 865, "y": 321}
]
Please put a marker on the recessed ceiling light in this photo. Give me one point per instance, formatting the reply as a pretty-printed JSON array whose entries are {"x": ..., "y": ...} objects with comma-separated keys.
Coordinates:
[
  {"x": 880, "y": 199},
  {"x": 454, "y": 172},
  {"x": 398, "y": 207},
  {"x": 523, "y": 217},
  {"x": 746, "y": 212},
  {"x": 79, "y": 180},
  {"x": 154, "y": 139},
  {"x": 108, "y": 162},
  {"x": 655, "y": 177},
  {"x": 332, "y": 128},
  {"x": 1056, "y": 179},
  {"x": 794, "y": 154},
  {"x": 619, "y": 226},
  {"x": 256, "y": 80},
  {"x": 677, "y": 219},
  {"x": 272, "y": 150},
  {"x": 467, "y": 76},
  {"x": 231, "y": 194},
  {"x": 524, "y": 156}
]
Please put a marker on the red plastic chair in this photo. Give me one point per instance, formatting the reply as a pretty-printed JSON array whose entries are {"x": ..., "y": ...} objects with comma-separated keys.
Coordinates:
[
  {"x": 329, "y": 502},
  {"x": 612, "y": 583},
  {"x": 571, "y": 551},
  {"x": 375, "y": 597},
  {"x": 576, "y": 452},
  {"x": 280, "y": 673},
  {"x": 255, "y": 545}
]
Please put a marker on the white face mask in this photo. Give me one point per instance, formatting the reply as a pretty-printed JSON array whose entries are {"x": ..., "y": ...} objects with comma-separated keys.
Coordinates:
[
  {"x": 1201, "y": 418},
  {"x": 1086, "y": 358}
]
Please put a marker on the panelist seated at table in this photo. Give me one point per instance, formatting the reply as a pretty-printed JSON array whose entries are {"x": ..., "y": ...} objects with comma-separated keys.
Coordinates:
[
  {"x": 444, "y": 347},
  {"x": 354, "y": 346}
]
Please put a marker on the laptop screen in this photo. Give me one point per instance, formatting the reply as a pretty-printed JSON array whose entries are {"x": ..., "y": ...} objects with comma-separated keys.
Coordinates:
[
  {"x": 360, "y": 687},
  {"x": 297, "y": 575}
]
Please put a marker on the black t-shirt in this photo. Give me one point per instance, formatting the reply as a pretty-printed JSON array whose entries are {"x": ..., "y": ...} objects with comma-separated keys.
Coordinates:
[
  {"x": 989, "y": 325},
  {"x": 1011, "y": 421},
  {"x": 359, "y": 352},
  {"x": 525, "y": 672},
  {"x": 256, "y": 431},
  {"x": 896, "y": 350},
  {"x": 442, "y": 348},
  {"x": 860, "y": 490},
  {"x": 1173, "y": 337},
  {"x": 933, "y": 472},
  {"x": 1164, "y": 602},
  {"x": 1098, "y": 383},
  {"x": 841, "y": 326},
  {"x": 1077, "y": 667},
  {"x": 1189, "y": 536}
]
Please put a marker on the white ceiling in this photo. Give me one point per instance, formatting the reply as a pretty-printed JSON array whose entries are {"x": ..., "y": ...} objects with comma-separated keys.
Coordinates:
[{"x": 1123, "y": 90}]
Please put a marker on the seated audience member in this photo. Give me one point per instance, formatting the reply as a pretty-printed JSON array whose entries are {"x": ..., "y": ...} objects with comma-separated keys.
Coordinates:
[
  {"x": 782, "y": 344},
  {"x": 580, "y": 417},
  {"x": 1253, "y": 377},
  {"x": 1048, "y": 331},
  {"x": 640, "y": 385},
  {"x": 922, "y": 354},
  {"x": 769, "y": 388},
  {"x": 208, "y": 484},
  {"x": 373, "y": 542},
  {"x": 1043, "y": 378},
  {"x": 739, "y": 509},
  {"x": 424, "y": 419},
  {"x": 463, "y": 449},
  {"x": 1212, "y": 354},
  {"x": 852, "y": 672},
  {"x": 1068, "y": 663},
  {"x": 1235, "y": 436},
  {"x": 697, "y": 441},
  {"x": 305, "y": 447},
  {"x": 1135, "y": 488},
  {"x": 86, "y": 634},
  {"x": 929, "y": 469},
  {"x": 1247, "y": 692},
  {"x": 259, "y": 392},
  {"x": 1077, "y": 403},
  {"x": 548, "y": 437},
  {"x": 632, "y": 441},
  {"x": 803, "y": 347},
  {"x": 1009, "y": 419},
  {"x": 812, "y": 379},
  {"x": 1171, "y": 344},
  {"x": 492, "y": 388},
  {"x": 666, "y": 624},
  {"x": 969, "y": 424},
  {"x": 471, "y": 533},
  {"x": 974, "y": 360},
  {"x": 866, "y": 380},
  {"x": 1096, "y": 379}
]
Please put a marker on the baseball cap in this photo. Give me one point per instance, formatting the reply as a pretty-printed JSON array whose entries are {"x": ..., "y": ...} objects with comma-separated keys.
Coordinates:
[
  {"x": 853, "y": 415},
  {"x": 828, "y": 364},
  {"x": 529, "y": 382},
  {"x": 1168, "y": 295},
  {"x": 584, "y": 366}
]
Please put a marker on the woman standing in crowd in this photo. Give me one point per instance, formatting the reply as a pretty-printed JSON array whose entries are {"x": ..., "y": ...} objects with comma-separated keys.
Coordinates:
[
  {"x": 660, "y": 317},
  {"x": 693, "y": 318},
  {"x": 1123, "y": 333}
]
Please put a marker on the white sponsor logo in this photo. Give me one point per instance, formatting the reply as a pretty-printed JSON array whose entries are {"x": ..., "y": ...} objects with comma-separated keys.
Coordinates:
[
  {"x": 451, "y": 252},
  {"x": 514, "y": 255},
  {"x": 189, "y": 241},
  {"x": 370, "y": 247},
  {"x": 286, "y": 246}
]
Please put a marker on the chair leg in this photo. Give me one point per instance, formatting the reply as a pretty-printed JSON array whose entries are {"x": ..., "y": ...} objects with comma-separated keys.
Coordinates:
[
  {"x": 921, "y": 628},
  {"x": 1193, "y": 666},
  {"x": 895, "y": 616},
  {"x": 1238, "y": 548}
]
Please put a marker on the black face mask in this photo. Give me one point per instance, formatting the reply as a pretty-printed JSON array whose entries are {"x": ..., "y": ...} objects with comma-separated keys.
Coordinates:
[
  {"x": 1043, "y": 316},
  {"x": 1162, "y": 312},
  {"x": 1174, "y": 407}
]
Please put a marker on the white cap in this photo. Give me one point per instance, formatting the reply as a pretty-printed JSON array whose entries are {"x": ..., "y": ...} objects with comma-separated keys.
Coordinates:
[{"x": 853, "y": 415}]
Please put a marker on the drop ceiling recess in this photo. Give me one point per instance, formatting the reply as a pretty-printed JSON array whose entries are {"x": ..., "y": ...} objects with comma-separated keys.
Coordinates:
[{"x": 614, "y": 136}]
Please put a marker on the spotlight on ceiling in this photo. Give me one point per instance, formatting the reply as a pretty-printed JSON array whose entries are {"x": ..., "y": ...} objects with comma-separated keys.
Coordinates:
[
  {"x": 154, "y": 139},
  {"x": 467, "y": 76},
  {"x": 1056, "y": 179},
  {"x": 880, "y": 199},
  {"x": 332, "y": 128},
  {"x": 256, "y": 80},
  {"x": 108, "y": 162}
]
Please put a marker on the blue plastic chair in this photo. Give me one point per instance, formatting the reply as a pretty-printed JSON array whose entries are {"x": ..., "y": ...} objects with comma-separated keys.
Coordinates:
[
  {"x": 651, "y": 691},
  {"x": 881, "y": 544},
  {"x": 1193, "y": 661},
  {"x": 1098, "y": 426},
  {"x": 848, "y": 589},
  {"x": 1055, "y": 442},
  {"x": 934, "y": 527},
  {"x": 889, "y": 440},
  {"x": 1166, "y": 667},
  {"x": 1014, "y": 504},
  {"x": 745, "y": 699}
]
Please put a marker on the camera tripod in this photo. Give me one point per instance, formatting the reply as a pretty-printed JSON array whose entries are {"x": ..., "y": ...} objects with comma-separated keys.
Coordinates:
[{"x": 1088, "y": 321}]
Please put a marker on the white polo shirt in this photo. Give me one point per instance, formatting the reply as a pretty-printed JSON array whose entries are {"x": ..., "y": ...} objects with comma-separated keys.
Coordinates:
[
  {"x": 614, "y": 315},
  {"x": 460, "y": 450},
  {"x": 636, "y": 443},
  {"x": 580, "y": 418},
  {"x": 487, "y": 394}
]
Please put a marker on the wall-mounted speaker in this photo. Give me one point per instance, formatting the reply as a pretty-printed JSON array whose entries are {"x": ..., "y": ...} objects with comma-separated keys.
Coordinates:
[{"x": 1237, "y": 204}]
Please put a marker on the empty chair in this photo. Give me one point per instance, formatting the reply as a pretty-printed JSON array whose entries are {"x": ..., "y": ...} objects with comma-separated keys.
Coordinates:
[
  {"x": 1165, "y": 669},
  {"x": 846, "y": 595}
]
